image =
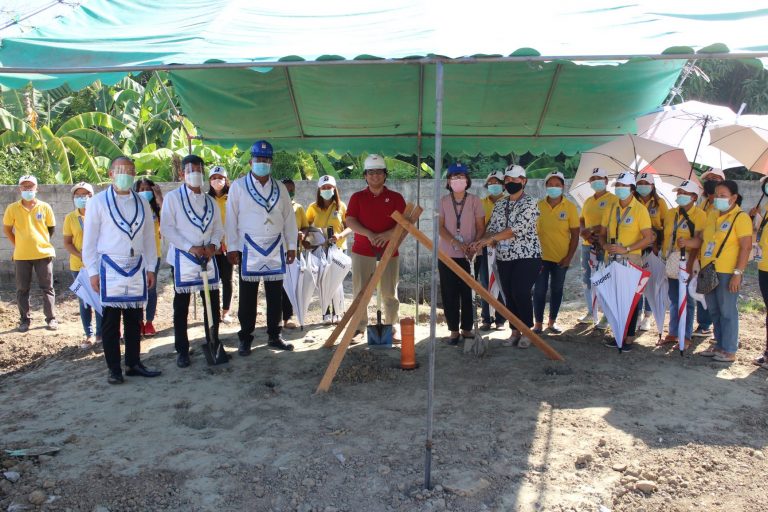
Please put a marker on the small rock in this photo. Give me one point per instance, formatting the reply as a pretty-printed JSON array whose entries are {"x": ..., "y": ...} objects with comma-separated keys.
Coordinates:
[
  {"x": 384, "y": 470},
  {"x": 758, "y": 455},
  {"x": 12, "y": 476},
  {"x": 649, "y": 475},
  {"x": 619, "y": 467},
  {"x": 645, "y": 486},
  {"x": 438, "y": 488},
  {"x": 44, "y": 459},
  {"x": 401, "y": 487},
  {"x": 602, "y": 442},
  {"x": 49, "y": 484},
  {"x": 583, "y": 460},
  {"x": 37, "y": 497},
  {"x": 633, "y": 471},
  {"x": 5, "y": 487},
  {"x": 259, "y": 491},
  {"x": 308, "y": 482},
  {"x": 466, "y": 484}
]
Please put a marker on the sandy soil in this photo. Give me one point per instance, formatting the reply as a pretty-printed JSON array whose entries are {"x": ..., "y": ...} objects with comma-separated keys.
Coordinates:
[{"x": 513, "y": 431}]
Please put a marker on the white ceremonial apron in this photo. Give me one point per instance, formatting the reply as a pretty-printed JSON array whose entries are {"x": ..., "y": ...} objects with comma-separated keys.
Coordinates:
[
  {"x": 263, "y": 258},
  {"x": 123, "y": 282},
  {"x": 187, "y": 277}
]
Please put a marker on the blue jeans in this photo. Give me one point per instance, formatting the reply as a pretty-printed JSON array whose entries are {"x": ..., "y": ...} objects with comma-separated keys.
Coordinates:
[
  {"x": 674, "y": 296},
  {"x": 721, "y": 304},
  {"x": 481, "y": 271},
  {"x": 587, "y": 274},
  {"x": 555, "y": 283},
  {"x": 152, "y": 297},
  {"x": 86, "y": 314},
  {"x": 703, "y": 316}
]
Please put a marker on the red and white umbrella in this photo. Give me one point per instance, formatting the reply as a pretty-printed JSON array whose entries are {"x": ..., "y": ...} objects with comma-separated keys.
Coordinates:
[
  {"x": 682, "y": 301},
  {"x": 494, "y": 285},
  {"x": 619, "y": 288},
  {"x": 657, "y": 289}
]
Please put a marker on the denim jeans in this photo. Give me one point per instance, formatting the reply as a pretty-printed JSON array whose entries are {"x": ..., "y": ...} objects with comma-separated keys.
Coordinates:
[
  {"x": 481, "y": 271},
  {"x": 721, "y": 304},
  {"x": 674, "y": 296},
  {"x": 587, "y": 274},
  {"x": 552, "y": 276},
  {"x": 703, "y": 317},
  {"x": 152, "y": 297},
  {"x": 86, "y": 313}
]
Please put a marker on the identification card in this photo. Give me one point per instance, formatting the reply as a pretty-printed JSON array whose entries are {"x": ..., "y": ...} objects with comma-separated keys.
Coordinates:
[
  {"x": 758, "y": 252},
  {"x": 710, "y": 249},
  {"x": 459, "y": 238}
]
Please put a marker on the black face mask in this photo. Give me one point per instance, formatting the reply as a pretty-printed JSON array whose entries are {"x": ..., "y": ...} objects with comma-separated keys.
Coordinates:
[
  {"x": 513, "y": 188},
  {"x": 709, "y": 187}
]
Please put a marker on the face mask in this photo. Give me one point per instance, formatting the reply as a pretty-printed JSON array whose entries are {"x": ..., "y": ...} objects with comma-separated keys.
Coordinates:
[
  {"x": 147, "y": 194},
  {"x": 709, "y": 187},
  {"x": 683, "y": 200},
  {"x": 28, "y": 195},
  {"x": 623, "y": 192},
  {"x": 261, "y": 168},
  {"x": 193, "y": 179},
  {"x": 513, "y": 188},
  {"x": 218, "y": 184},
  {"x": 721, "y": 203},
  {"x": 458, "y": 185},
  {"x": 327, "y": 194},
  {"x": 495, "y": 189},
  {"x": 80, "y": 202},
  {"x": 123, "y": 182},
  {"x": 597, "y": 185},
  {"x": 554, "y": 192},
  {"x": 644, "y": 190}
]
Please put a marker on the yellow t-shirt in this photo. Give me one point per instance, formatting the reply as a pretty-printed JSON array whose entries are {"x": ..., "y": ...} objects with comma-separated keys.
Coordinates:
[
  {"x": 73, "y": 226},
  {"x": 30, "y": 227},
  {"x": 634, "y": 218},
  {"x": 714, "y": 233},
  {"x": 763, "y": 263},
  {"x": 594, "y": 210},
  {"x": 697, "y": 216},
  {"x": 301, "y": 217},
  {"x": 488, "y": 205},
  {"x": 221, "y": 202},
  {"x": 554, "y": 227},
  {"x": 329, "y": 217},
  {"x": 158, "y": 237},
  {"x": 657, "y": 209}
]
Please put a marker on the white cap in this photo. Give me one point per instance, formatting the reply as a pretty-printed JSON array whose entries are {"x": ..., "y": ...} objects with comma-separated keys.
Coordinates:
[
  {"x": 326, "y": 180},
  {"x": 555, "y": 174},
  {"x": 499, "y": 175},
  {"x": 83, "y": 185},
  {"x": 689, "y": 186},
  {"x": 599, "y": 173},
  {"x": 217, "y": 169},
  {"x": 716, "y": 172},
  {"x": 375, "y": 162},
  {"x": 28, "y": 177},
  {"x": 514, "y": 171},
  {"x": 626, "y": 178},
  {"x": 646, "y": 176}
]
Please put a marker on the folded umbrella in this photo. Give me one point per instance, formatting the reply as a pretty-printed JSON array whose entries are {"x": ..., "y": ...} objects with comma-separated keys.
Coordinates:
[
  {"x": 335, "y": 268},
  {"x": 291, "y": 282},
  {"x": 657, "y": 289},
  {"x": 309, "y": 267},
  {"x": 682, "y": 301},
  {"x": 494, "y": 285}
]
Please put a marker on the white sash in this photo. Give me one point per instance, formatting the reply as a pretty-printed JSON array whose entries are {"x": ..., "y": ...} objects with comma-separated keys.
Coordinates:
[
  {"x": 263, "y": 258},
  {"x": 123, "y": 282},
  {"x": 187, "y": 277}
]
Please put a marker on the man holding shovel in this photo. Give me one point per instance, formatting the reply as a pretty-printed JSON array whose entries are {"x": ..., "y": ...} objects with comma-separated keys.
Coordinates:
[{"x": 191, "y": 222}]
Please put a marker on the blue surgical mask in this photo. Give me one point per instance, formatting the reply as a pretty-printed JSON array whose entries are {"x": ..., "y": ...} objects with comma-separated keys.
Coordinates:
[
  {"x": 623, "y": 192},
  {"x": 597, "y": 185},
  {"x": 721, "y": 203},
  {"x": 554, "y": 192},
  {"x": 644, "y": 190},
  {"x": 261, "y": 168},
  {"x": 147, "y": 194},
  {"x": 123, "y": 182},
  {"x": 327, "y": 194},
  {"x": 683, "y": 200},
  {"x": 80, "y": 202},
  {"x": 495, "y": 189},
  {"x": 28, "y": 195}
]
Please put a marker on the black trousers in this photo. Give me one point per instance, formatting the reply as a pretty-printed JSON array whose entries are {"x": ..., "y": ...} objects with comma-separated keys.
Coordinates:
[
  {"x": 287, "y": 307},
  {"x": 517, "y": 279},
  {"x": 456, "y": 295},
  {"x": 246, "y": 311},
  {"x": 110, "y": 335},
  {"x": 225, "y": 272},
  {"x": 181, "y": 313}
]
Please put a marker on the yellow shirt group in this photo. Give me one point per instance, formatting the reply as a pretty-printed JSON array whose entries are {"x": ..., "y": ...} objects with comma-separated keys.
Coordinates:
[
  {"x": 698, "y": 218},
  {"x": 714, "y": 233},
  {"x": 554, "y": 225},
  {"x": 593, "y": 211},
  {"x": 335, "y": 218},
  {"x": 631, "y": 221},
  {"x": 30, "y": 228},
  {"x": 73, "y": 226}
]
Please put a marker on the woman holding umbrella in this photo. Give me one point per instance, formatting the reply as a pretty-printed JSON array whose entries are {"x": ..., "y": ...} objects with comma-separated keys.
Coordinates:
[
  {"x": 626, "y": 231},
  {"x": 727, "y": 243}
]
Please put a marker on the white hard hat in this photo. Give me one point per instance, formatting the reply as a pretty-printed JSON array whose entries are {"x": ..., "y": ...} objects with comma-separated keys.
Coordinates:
[
  {"x": 499, "y": 175},
  {"x": 83, "y": 185},
  {"x": 598, "y": 173},
  {"x": 515, "y": 171},
  {"x": 375, "y": 162},
  {"x": 29, "y": 178},
  {"x": 217, "y": 169},
  {"x": 326, "y": 180},
  {"x": 689, "y": 186},
  {"x": 555, "y": 174},
  {"x": 625, "y": 178},
  {"x": 716, "y": 172}
]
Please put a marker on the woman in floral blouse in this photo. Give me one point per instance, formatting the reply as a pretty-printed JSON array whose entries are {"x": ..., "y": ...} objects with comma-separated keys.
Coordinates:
[{"x": 512, "y": 231}]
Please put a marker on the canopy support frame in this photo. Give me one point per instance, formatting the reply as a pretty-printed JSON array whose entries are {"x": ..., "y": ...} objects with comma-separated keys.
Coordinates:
[
  {"x": 548, "y": 100},
  {"x": 289, "y": 82}
]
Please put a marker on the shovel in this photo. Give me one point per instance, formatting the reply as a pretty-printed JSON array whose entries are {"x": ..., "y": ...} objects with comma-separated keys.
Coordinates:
[
  {"x": 213, "y": 350},
  {"x": 476, "y": 345},
  {"x": 379, "y": 335}
]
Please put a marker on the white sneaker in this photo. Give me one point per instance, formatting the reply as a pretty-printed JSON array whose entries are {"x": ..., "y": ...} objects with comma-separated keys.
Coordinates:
[
  {"x": 226, "y": 319},
  {"x": 586, "y": 319},
  {"x": 602, "y": 324},
  {"x": 327, "y": 319},
  {"x": 645, "y": 323},
  {"x": 336, "y": 319}
]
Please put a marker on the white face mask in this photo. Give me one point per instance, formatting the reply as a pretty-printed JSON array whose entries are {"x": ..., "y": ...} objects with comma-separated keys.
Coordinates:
[
  {"x": 218, "y": 184},
  {"x": 193, "y": 179}
]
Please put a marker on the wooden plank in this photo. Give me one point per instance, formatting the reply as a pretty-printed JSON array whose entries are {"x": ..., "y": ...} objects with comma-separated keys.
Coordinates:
[
  {"x": 409, "y": 208},
  {"x": 362, "y": 307},
  {"x": 542, "y": 345}
]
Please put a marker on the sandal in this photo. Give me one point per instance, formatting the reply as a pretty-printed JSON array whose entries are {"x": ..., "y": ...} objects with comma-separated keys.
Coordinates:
[
  {"x": 523, "y": 342},
  {"x": 668, "y": 339},
  {"x": 467, "y": 334},
  {"x": 724, "y": 357},
  {"x": 710, "y": 351}
]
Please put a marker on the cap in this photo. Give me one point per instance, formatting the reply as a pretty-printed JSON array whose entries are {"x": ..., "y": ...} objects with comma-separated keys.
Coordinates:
[
  {"x": 716, "y": 172},
  {"x": 261, "y": 148},
  {"x": 689, "y": 186},
  {"x": 457, "y": 168},
  {"x": 326, "y": 180},
  {"x": 555, "y": 174},
  {"x": 375, "y": 162},
  {"x": 28, "y": 177},
  {"x": 82, "y": 184},
  {"x": 625, "y": 178},
  {"x": 646, "y": 176},
  {"x": 499, "y": 175},
  {"x": 514, "y": 171},
  {"x": 217, "y": 169},
  {"x": 598, "y": 172}
]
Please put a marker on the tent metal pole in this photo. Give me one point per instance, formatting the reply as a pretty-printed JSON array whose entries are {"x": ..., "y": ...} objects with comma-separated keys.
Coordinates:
[
  {"x": 433, "y": 290},
  {"x": 183, "y": 128},
  {"x": 418, "y": 182}
]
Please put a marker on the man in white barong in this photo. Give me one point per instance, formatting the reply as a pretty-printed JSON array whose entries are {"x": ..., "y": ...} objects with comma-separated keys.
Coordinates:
[
  {"x": 191, "y": 223},
  {"x": 119, "y": 255},
  {"x": 261, "y": 233}
]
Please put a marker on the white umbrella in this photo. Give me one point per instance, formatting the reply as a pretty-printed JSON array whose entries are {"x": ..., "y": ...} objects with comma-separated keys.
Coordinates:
[
  {"x": 682, "y": 301},
  {"x": 657, "y": 289},
  {"x": 309, "y": 266},
  {"x": 629, "y": 153},
  {"x": 685, "y": 126},
  {"x": 747, "y": 144},
  {"x": 336, "y": 267},
  {"x": 594, "y": 264},
  {"x": 619, "y": 288},
  {"x": 494, "y": 285},
  {"x": 291, "y": 283}
]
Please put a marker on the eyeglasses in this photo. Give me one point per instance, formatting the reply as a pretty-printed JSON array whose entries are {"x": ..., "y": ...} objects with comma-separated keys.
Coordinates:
[{"x": 375, "y": 172}]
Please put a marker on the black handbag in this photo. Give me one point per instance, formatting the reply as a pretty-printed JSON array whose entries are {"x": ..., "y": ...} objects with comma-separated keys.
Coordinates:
[{"x": 708, "y": 279}]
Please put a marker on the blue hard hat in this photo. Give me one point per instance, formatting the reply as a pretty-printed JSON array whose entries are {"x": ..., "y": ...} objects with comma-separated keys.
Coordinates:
[
  {"x": 261, "y": 148},
  {"x": 457, "y": 168}
]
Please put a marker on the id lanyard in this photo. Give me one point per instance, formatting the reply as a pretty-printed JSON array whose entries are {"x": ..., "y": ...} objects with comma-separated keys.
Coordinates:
[
  {"x": 620, "y": 220},
  {"x": 458, "y": 213}
]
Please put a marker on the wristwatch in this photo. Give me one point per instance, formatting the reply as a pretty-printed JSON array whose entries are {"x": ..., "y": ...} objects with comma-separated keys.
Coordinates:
[{"x": 737, "y": 272}]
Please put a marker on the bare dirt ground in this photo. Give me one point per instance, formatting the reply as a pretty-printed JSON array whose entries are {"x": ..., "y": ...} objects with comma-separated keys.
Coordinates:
[{"x": 641, "y": 431}]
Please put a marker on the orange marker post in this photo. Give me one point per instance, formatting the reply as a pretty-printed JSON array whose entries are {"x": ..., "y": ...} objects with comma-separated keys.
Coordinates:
[{"x": 407, "y": 347}]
